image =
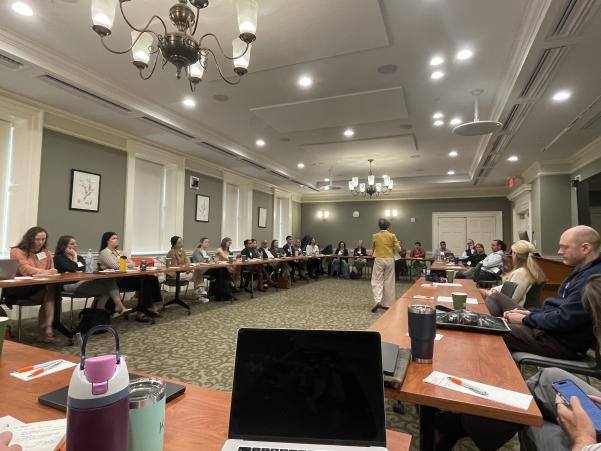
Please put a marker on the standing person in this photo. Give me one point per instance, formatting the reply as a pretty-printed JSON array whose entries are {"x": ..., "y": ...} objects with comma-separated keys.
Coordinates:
[
  {"x": 385, "y": 244},
  {"x": 312, "y": 251},
  {"x": 340, "y": 264},
  {"x": 35, "y": 259},
  {"x": 201, "y": 255}
]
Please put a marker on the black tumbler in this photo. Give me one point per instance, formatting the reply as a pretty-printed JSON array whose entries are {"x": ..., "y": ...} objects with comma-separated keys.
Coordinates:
[{"x": 422, "y": 330}]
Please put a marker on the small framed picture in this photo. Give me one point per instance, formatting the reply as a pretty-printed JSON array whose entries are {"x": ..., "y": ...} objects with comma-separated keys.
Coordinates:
[
  {"x": 85, "y": 191},
  {"x": 194, "y": 182},
  {"x": 262, "y": 217},
  {"x": 202, "y": 208}
]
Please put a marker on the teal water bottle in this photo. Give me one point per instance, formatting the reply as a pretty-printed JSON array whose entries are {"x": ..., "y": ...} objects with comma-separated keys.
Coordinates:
[{"x": 146, "y": 414}]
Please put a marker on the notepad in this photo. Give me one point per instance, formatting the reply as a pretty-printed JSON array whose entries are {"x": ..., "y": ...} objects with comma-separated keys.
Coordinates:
[
  {"x": 447, "y": 284},
  {"x": 500, "y": 395},
  {"x": 62, "y": 366},
  {"x": 40, "y": 436},
  {"x": 450, "y": 299}
]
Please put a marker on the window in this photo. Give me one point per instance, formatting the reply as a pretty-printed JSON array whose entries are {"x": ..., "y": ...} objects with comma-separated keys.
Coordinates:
[
  {"x": 282, "y": 219},
  {"x": 232, "y": 224},
  {"x": 149, "y": 208},
  {"x": 6, "y": 152}
]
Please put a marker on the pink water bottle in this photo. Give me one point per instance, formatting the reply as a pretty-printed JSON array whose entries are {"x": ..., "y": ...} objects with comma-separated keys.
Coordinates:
[{"x": 98, "y": 400}]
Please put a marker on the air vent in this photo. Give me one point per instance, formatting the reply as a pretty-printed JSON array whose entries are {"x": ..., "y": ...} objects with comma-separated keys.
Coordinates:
[
  {"x": 593, "y": 123},
  {"x": 279, "y": 174},
  {"x": 573, "y": 17},
  {"x": 165, "y": 127},
  {"x": 312, "y": 188},
  {"x": 218, "y": 149},
  {"x": 65, "y": 86},
  {"x": 515, "y": 117},
  {"x": 542, "y": 72},
  {"x": 252, "y": 163},
  {"x": 9, "y": 62}
]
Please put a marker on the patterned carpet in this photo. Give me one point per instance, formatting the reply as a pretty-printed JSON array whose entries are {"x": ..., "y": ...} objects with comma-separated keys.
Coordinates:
[{"x": 200, "y": 348}]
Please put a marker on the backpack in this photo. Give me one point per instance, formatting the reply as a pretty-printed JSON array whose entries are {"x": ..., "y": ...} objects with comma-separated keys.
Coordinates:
[{"x": 90, "y": 317}]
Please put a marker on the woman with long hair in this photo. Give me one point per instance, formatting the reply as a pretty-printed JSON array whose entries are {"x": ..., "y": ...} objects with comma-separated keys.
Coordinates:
[
  {"x": 35, "y": 260},
  {"x": 201, "y": 255},
  {"x": 525, "y": 272},
  {"x": 340, "y": 264},
  {"x": 223, "y": 276}
]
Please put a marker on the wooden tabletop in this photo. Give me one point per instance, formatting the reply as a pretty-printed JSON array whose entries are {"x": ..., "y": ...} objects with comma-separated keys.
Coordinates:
[
  {"x": 422, "y": 287},
  {"x": 197, "y": 420},
  {"x": 443, "y": 266},
  {"x": 476, "y": 356}
]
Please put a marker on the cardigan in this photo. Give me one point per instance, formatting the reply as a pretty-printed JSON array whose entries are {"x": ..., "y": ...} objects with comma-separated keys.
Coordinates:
[{"x": 32, "y": 264}]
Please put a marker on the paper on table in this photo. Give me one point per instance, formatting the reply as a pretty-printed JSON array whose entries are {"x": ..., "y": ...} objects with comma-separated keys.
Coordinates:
[
  {"x": 62, "y": 366},
  {"x": 450, "y": 299},
  {"x": 421, "y": 296},
  {"x": 508, "y": 397},
  {"x": 8, "y": 280},
  {"x": 8, "y": 422},
  {"x": 447, "y": 284},
  {"x": 428, "y": 285},
  {"x": 437, "y": 337},
  {"x": 23, "y": 277},
  {"x": 40, "y": 436}
]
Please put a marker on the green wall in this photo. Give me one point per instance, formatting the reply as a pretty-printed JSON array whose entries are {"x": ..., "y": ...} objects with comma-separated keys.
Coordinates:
[
  {"x": 341, "y": 225},
  {"x": 264, "y": 200},
  {"x": 555, "y": 211},
  {"x": 296, "y": 226},
  {"x": 193, "y": 230},
  {"x": 60, "y": 154}
]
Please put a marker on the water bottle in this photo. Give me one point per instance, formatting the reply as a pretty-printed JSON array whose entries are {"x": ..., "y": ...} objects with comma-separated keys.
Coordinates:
[
  {"x": 89, "y": 261},
  {"x": 98, "y": 400}
]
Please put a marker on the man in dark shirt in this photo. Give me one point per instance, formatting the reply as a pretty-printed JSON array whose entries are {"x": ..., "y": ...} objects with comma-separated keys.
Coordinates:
[{"x": 562, "y": 328}]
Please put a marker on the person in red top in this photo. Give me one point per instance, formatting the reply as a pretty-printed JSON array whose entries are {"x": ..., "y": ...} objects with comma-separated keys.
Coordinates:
[
  {"x": 35, "y": 259},
  {"x": 418, "y": 252}
]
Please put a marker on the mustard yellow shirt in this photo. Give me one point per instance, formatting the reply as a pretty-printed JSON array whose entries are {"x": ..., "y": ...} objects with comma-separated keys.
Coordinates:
[{"x": 385, "y": 244}]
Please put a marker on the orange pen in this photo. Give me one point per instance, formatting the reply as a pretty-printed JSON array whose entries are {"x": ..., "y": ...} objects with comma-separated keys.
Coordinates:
[
  {"x": 33, "y": 367},
  {"x": 45, "y": 368},
  {"x": 468, "y": 386}
]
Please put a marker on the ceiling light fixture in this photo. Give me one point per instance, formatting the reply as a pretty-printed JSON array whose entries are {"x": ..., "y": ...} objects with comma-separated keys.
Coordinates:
[
  {"x": 327, "y": 187},
  {"x": 477, "y": 127},
  {"x": 189, "y": 102},
  {"x": 300, "y": 165},
  {"x": 179, "y": 47},
  {"x": 437, "y": 115},
  {"x": 437, "y": 75},
  {"x": 455, "y": 121},
  {"x": 561, "y": 96},
  {"x": 260, "y": 142},
  {"x": 451, "y": 172},
  {"x": 349, "y": 132},
  {"x": 22, "y": 8},
  {"x": 464, "y": 54},
  {"x": 436, "y": 61},
  {"x": 305, "y": 81},
  {"x": 371, "y": 188},
  {"x": 326, "y": 179},
  {"x": 438, "y": 123},
  {"x": 453, "y": 153},
  {"x": 513, "y": 158}
]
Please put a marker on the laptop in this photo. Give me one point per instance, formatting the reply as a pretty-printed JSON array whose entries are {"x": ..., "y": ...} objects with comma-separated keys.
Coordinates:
[
  {"x": 8, "y": 268},
  {"x": 307, "y": 390}
]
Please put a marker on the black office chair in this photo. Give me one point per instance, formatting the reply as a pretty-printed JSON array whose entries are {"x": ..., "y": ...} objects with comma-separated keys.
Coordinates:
[
  {"x": 484, "y": 283},
  {"x": 508, "y": 288},
  {"x": 533, "y": 296}
]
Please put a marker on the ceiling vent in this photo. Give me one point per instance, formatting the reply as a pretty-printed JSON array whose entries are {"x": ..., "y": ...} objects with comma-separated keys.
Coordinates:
[
  {"x": 9, "y": 62},
  {"x": 66, "y": 86},
  {"x": 491, "y": 157},
  {"x": 279, "y": 174},
  {"x": 515, "y": 117},
  {"x": 593, "y": 123},
  {"x": 218, "y": 149},
  {"x": 252, "y": 163},
  {"x": 541, "y": 74},
  {"x": 573, "y": 17},
  {"x": 166, "y": 128}
]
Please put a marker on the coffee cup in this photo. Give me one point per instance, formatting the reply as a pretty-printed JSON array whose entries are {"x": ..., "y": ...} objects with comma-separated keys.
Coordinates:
[
  {"x": 422, "y": 330},
  {"x": 459, "y": 300},
  {"x": 450, "y": 275}
]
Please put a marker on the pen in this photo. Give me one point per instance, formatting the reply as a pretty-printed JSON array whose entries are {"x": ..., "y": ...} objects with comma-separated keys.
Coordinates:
[
  {"x": 45, "y": 368},
  {"x": 468, "y": 386},
  {"x": 35, "y": 367}
]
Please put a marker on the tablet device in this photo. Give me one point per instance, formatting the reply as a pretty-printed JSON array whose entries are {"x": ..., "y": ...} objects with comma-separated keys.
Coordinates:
[{"x": 390, "y": 354}]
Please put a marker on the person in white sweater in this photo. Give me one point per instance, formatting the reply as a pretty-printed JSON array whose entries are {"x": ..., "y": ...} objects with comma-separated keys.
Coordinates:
[{"x": 525, "y": 272}]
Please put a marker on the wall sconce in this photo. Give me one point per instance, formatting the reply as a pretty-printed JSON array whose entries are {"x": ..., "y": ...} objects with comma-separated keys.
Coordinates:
[
  {"x": 391, "y": 213},
  {"x": 323, "y": 214}
]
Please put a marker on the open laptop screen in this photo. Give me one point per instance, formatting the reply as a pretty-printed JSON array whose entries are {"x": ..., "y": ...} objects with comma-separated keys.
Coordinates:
[{"x": 308, "y": 386}]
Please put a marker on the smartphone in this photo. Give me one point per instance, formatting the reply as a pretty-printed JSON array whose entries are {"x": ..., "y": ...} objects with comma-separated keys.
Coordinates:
[{"x": 566, "y": 389}]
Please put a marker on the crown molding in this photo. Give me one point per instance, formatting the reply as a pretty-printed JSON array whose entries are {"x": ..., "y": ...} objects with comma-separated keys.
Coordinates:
[{"x": 522, "y": 189}]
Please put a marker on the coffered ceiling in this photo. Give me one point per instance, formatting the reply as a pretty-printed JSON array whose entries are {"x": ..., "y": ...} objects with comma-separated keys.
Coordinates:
[{"x": 370, "y": 65}]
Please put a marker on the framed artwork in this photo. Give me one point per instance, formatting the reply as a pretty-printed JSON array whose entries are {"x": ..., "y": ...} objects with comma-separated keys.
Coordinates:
[
  {"x": 262, "y": 217},
  {"x": 85, "y": 191},
  {"x": 194, "y": 182},
  {"x": 202, "y": 208}
]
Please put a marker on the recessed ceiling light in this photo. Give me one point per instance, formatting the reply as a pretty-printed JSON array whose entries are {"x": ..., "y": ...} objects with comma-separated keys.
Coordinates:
[
  {"x": 221, "y": 98},
  {"x": 349, "y": 132},
  {"x": 305, "y": 81},
  {"x": 327, "y": 187},
  {"x": 560, "y": 96},
  {"x": 451, "y": 172},
  {"x": 388, "y": 68},
  {"x": 464, "y": 54},
  {"x": 438, "y": 123},
  {"x": 260, "y": 142},
  {"x": 300, "y": 165},
  {"x": 326, "y": 179},
  {"x": 301, "y": 186},
  {"x": 189, "y": 102},
  {"x": 436, "y": 61},
  {"x": 513, "y": 158},
  {"x": 455, "y": 121},
  {"x": 437, "y": 115},
  {"x": 437, "y": 75},
  {"x": 22, "y": 8},
  {"x": 453, "y": 153}
]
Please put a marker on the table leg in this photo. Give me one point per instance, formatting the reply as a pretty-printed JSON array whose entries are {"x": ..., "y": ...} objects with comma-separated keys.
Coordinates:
[
  {"x": 58, "y": 309},
  {"x": 176, "y": 299},
  {"x": 426, "y": 428}
]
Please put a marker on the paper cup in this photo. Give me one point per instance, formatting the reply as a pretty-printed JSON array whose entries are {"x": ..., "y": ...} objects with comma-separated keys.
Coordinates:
[
  {"x": 459, "y": 300},
  {"x": 450, "y": 275}
]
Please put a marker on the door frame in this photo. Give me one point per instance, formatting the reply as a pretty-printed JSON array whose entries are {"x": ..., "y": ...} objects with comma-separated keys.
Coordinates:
[{"x": 467, "y": 214}]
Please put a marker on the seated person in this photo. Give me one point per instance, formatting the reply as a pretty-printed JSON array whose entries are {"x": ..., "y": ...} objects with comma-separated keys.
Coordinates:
[
  {"x": 491, "y": 266},
  {"x": 147, "y": 286},
  {"x": 313, "y": 264},
  {"x": 478, "y": 255},
  {"x": 360, "y": 253},
  {"x": 340, "y": 264},
  {"x": 35, "y": 259},
  {"x": 201, "y": 255},
  {"x": 562, "y": 328},
  {"x": 177, "y": 257},
  {"x": 274, "y": 249},
  {"x": 250, "y": 252},
  {"x": 525, "y": 272},
  {"x": 441, "y": 250},
  {"x": 400, "y": 264},
  {"x": 66, "y": 259},
  {"x": 222, "y": 287},
  {"x": 418, "y": 252},
  {"x": 469, "y": 251},
  {"x": 290, "y": 250}
]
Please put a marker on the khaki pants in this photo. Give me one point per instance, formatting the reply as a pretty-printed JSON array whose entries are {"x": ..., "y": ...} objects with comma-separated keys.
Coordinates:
[{"x": 382, "y": 281}]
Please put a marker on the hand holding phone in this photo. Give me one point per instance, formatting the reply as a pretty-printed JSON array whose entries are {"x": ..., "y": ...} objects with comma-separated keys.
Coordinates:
[{"x": 578, "y": 415}]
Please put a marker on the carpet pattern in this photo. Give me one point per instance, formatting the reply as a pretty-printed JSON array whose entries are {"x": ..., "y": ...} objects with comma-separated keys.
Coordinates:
[{"x": 200, "y": 348}]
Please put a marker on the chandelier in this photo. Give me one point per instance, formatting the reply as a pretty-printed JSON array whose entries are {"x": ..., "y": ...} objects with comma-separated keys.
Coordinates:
[
  {"x": 179, "y": 47},
  {"x": 371, "y": 188}
]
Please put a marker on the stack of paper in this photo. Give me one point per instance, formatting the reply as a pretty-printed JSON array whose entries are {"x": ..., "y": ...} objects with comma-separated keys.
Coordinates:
[
  {"x": 450, "y": 299},
  {"x": 40, "y": 436}
]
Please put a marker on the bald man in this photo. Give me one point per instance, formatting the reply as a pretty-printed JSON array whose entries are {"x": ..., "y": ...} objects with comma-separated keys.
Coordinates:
[{"x": 562, "y": 328}]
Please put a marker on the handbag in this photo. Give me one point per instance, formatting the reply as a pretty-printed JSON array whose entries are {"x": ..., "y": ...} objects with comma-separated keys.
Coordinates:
[{"x": 91, "y": 317}]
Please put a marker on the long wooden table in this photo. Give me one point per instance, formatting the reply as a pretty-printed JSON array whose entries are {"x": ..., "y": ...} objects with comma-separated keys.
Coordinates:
[
  {"x": 476, "y": 356},
  {"x": 198, "y": 420}
]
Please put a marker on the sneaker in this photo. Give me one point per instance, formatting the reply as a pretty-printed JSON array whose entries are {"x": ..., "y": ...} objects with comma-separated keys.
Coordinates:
[{"x": 203, "y": 299}]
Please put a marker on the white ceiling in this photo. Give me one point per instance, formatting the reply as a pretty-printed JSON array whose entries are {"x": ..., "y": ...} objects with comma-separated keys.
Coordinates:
[{"x": 340, "y": 44}]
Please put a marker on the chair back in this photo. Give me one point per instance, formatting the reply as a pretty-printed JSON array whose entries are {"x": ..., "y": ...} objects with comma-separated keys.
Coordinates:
[
  {"x": 477, "y": 270},
  {"x": 508, "y": 289},
  {"x": 533, "y": 295},
  {"x": 137, "y": 260}
]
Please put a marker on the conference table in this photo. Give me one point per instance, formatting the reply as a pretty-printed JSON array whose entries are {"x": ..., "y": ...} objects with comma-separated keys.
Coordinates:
[
  {"x": 438, "y": 266},
  {"x": 479, "y": 357},
  {"x": 196, "y": 421}
]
